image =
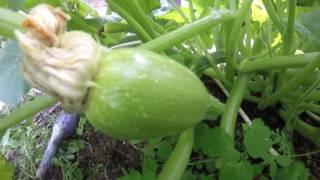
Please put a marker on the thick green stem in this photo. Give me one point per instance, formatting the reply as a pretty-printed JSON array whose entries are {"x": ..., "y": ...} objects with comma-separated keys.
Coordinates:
[
  {"x": 140, "y": 30},
  {"x": 232, "y": 4},
  {"x": 293, "y": 83},
  {"x": 177, "y": 8},
  {"x": 277, "y": 62},
  {"x": 9, "y": 22},
  {"x": 273, "y": 15},
  {"x": 25, "y": 111},
  {"x": 238, "y": 91},
  {"x": 288, "y": 36},
  {"x": 137, "y": 12},
  {"x": 306, "y": 130},
  {"x": 172, "y": 38},
  {"x": 313, "y": 96},
  {"x": 309, "y": 107},
  {"x": 175, "y": 166},
  {"x": 83, "y": 25},
  {"x": 233, "y": 38}
]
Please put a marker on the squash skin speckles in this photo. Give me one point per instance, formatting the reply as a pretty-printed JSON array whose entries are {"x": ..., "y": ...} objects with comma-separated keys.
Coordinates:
[{"x": 142, "y": 95}]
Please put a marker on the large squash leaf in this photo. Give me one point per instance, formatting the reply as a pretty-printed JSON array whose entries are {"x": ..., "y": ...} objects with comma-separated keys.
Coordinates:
[
  {"x": 309, "y": 29},
  {"x": 12, "y": 84}
]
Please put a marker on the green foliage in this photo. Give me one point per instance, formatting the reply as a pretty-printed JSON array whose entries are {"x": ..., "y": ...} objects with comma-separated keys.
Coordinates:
[
  {"x": 245, "y": 45},
  {"x": 149, "y": 169},
  {"x": 12, "y": 84},
  {"x": 257, "y": 139},
  {"x": 311, "y": 31},
  {"x": 6, "y": 169},
  {"x": 4, "y": 3},
  {"x": 174, "y": 15},
  {"x": 296, "y": 171},
  {"x": 149, "y": 5},
  {"x": 239, "y": 171},
  {"x": 215, "y": 143},
  {"x": 9, "y": 21}
]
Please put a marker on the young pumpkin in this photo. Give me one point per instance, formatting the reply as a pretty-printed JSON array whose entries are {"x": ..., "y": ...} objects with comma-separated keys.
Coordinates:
[{"x": 126, "y": 93}]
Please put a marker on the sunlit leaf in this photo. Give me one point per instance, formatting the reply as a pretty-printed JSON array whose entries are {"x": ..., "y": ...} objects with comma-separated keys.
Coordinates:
[
  {"x": 259, "y": 14},
  {"x": 175, "y": 16}
]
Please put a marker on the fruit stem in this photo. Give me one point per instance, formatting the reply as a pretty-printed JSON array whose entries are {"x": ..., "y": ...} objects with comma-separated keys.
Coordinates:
[{"x": 216, "y": 108}]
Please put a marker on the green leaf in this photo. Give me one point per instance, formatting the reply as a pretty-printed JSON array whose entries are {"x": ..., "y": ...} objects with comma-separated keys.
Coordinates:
[
  {"x": 112, "y": 38},
  {"x": 216, "y": 143},
  {"x": 258, "y": 169},
  {"x": 12, "y": 84},
  {"x": 202, "y": 4},
  {"x": 164, "y": 151},
  {"x": 238, "y": 171},
  {"x": 149, "y": 5},
  {"x": 310, "y": 30},
  {"x": 4, "y": 3},
  {"x": 305, "y": 2},
  {"x": 6, "y": 169},
  {"x": 204, "y": 177},
  {"x": 85, "y": 10},
  {"x": 27, "y": 4},
  {"x": 15, "y": 4},
  {"x": 115, "y": 27},
  {"x": 9, "y": 21},
  {"x": 296, "y": 171},
  {"x": 133, "y": 175},
  {"x": 257, "y": 139},
  {"x": 283, "y": 160},
  {"x": 175, "y": 16},
  {"x": 149, "y": 169},
  {"x": 188, "y": 176}
]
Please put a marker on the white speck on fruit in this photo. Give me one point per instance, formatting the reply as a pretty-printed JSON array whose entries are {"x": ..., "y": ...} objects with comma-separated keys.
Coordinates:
[{"x": 140, "y": 60}]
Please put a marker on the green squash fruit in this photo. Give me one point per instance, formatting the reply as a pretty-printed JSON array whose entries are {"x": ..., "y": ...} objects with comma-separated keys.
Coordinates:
[
  {"x": 126, "y": 93},
  {"x": 140, "y": 94}
]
